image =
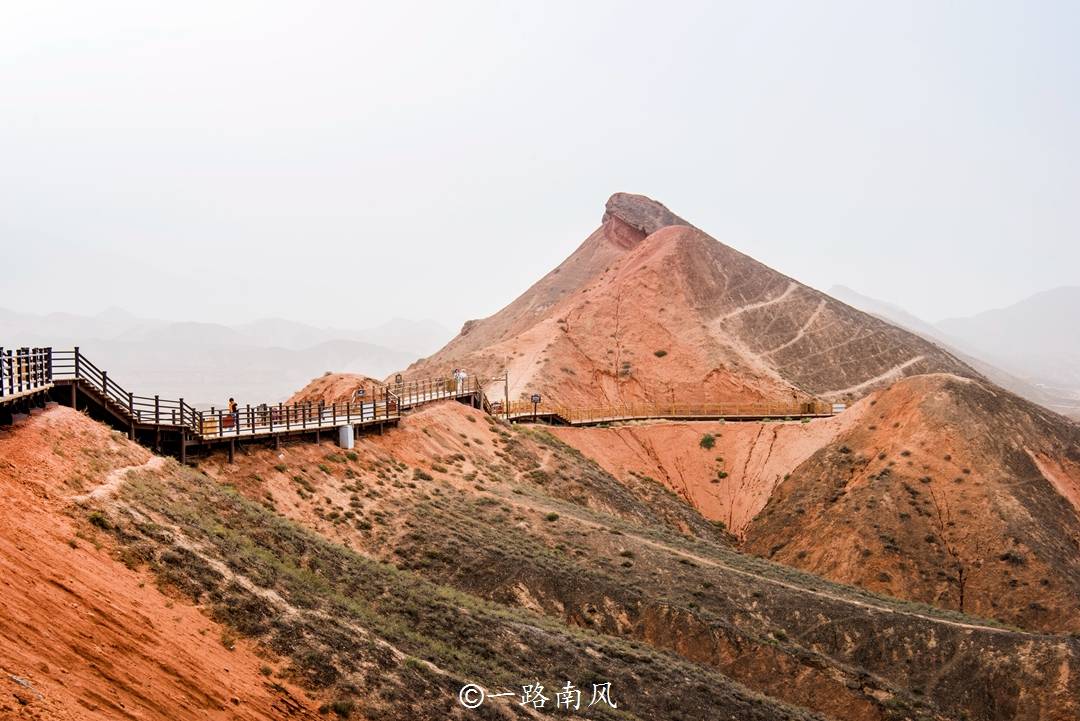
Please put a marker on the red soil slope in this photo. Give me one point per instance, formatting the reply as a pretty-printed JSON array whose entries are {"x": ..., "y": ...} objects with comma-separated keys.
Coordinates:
[
  {"x": 453, "y": 442},
  {"x": 82, "y": 636},
  {"x": 937, "y": 489},
  {"x": 946, "y": 490},
  {"x": 651, "y": 308},
  {"x": 373, "y": 500},
  {"x": 730, "y": 482},
  {"x": 334, "y": 388}
]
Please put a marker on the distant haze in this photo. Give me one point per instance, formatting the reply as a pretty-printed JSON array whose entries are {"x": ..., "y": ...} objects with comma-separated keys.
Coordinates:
[
  {"x": 341, "y": 163},
  {"x": 206, "y": 363},
  {"x": 1031, "y": 348}
]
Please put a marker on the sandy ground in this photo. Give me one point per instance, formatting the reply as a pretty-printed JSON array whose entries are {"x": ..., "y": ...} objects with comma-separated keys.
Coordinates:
[
  {"x": 81, "y": 635},
  {"x": 1064, "y": 476},
  {"x": 422, "y": 440},
  {"x": 334, "y": 388},
  {"x": 732, "y": 481},
  {"x": 943, "y": 479}
]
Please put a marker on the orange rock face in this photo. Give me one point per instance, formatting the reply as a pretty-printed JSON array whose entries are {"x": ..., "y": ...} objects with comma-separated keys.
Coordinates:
[
  {"x": 944, "y": 490},
  {"x": 730, "y": 481},
  {"x": 81, "y": 635},
  {"x": 650, "y": 308},
  {"x": 334, "y": 388}
]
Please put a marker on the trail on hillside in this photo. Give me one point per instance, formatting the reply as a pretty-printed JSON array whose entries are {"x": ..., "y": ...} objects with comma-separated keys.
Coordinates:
[
  {"x": 115, "y": 478},
  {"x": 546, "y": 508}
]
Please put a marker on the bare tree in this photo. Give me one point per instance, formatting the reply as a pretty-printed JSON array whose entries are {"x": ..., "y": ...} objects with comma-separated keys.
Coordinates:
[{"x": 964, "y": 548}]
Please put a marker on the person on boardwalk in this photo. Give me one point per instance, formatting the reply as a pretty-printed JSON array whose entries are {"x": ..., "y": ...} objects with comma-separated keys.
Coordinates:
[{"x": 234, "y": 411}]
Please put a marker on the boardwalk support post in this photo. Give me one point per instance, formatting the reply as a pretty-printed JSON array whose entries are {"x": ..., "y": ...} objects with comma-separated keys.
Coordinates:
[{"x": 75, "y": 383}]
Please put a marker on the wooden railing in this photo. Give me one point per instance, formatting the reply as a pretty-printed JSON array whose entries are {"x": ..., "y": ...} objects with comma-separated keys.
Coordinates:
[
  {"x": 417, "y": 392},
  {"x": 148, "y": 410},
  {"x": 265, "y": 419},
  {"x": 28, "y": 369},
  {"x": 641, "y": 411},
  {"x": 24, "y": 370},
  {"x": 383, "y": 403}
]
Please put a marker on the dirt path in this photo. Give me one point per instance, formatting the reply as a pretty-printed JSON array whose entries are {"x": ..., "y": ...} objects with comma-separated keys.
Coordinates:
[
  {"x": 115, "y": 478},
  {"x": 802, "y": 331},
  {"x": 893, "y": 372},
  {"x": 761, "y": 304},
  {"x": 826, "y": 594},
  {"x": 791, "y": 586}
]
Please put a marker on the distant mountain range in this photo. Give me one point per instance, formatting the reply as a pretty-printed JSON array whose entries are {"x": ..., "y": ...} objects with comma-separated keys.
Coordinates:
[
  {"x": 206, "y": 363},
  {"x": 1031, "y": 347}
]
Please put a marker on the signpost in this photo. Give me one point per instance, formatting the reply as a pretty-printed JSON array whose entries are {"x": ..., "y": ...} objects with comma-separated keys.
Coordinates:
[{"x": 536, "y": 402}]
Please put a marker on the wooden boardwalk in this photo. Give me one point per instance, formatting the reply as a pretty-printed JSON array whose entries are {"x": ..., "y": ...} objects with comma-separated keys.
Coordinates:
[
  {"x": 25, "y": 379},
  {"x": 524, "y": 411},
  {"x": 29, "y": 375}
]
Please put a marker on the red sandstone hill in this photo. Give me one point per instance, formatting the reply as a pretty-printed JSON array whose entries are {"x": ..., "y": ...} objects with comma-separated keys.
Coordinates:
[
  {"x": 334, "y": 388},
  {"x": 373, "y": 583},
  {"x": 944, "y": 490},
  {"x": 938, "y": 487},
  {"x": 650, "y": 308}
]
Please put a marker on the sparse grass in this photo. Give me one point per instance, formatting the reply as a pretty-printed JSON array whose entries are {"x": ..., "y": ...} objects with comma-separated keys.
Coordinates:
[
  {"x": 1014, "y": 558},
  {"x": 343, "y": 707},
  {"x": 99, "y": 519},
  {"x": 707, "y": 441},
  {"x": 332, "y": 590}
]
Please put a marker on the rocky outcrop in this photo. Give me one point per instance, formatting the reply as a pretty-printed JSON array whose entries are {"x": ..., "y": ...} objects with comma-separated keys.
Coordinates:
[
  {"x": 650, "y": 308},
  {"x": 641, "y": 213}
]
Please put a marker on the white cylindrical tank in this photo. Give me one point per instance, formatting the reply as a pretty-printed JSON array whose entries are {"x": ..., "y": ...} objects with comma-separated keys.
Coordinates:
[{"x": 345, "y": 437}]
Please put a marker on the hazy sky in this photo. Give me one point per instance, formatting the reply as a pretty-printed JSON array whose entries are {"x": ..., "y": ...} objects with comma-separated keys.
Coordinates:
[{"x": 342, "y": 163}]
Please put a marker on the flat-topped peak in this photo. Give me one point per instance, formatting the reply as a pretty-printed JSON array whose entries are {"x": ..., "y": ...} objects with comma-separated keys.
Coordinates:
[{"x": 640, "y": 212}]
